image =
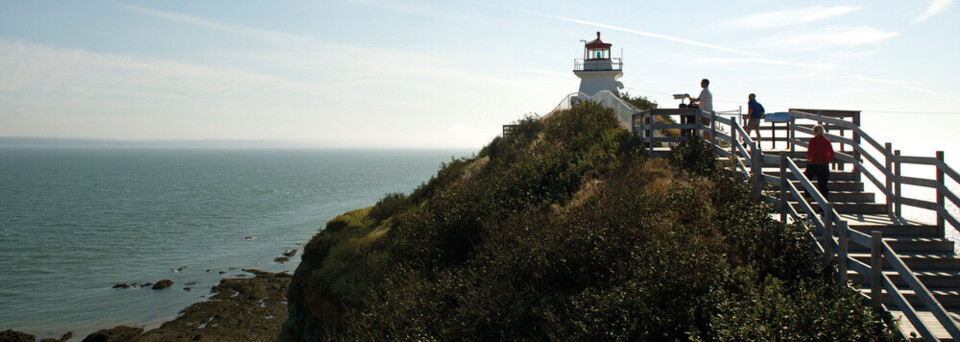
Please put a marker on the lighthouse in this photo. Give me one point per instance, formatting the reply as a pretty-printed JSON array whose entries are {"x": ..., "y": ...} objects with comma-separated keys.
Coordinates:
[{"x": 598, "y": 70}]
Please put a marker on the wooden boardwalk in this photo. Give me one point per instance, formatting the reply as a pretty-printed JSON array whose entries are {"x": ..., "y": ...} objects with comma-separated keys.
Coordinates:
[{"x": 906, "y": 267}]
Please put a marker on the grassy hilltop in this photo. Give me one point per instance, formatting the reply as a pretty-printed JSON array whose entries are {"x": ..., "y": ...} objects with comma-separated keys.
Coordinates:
[{"x": 566, "y": 231}]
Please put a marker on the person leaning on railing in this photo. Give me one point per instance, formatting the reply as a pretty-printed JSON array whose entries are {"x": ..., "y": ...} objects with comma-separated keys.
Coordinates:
[
  {"x": 819, "y": 155},
  {"x": 705, "y": 103}
]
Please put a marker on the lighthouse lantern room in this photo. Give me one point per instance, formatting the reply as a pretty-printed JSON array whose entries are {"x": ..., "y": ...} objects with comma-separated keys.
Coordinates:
[{"x": 598, "y": 70}]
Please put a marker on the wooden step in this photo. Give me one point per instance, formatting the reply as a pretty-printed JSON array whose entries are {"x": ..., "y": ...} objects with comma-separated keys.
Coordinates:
[
  {"x": 949, "y": 298},
  {"x": 919, "y": 261},
  {"x": 836, "y": 185},
  {"x": 848, "y": 196},
  {"x": 852, "y": 196},
  {"x": 904, "y": 244},
  {"x": 943, "y": 278},
  {"x": 895, "y": 230},
  {"x": 854, "y": 207},
  {"x": 859, "y": 207},
  {"x": 798, "y": 154},
  {"x": 835, "y": 175},
  {"x": 939, "y": 332},
  {"x": 802, "y": 163}
]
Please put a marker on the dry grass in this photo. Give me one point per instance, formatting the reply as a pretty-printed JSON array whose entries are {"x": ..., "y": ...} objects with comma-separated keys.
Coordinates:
[{"x": 474, "y": 168}]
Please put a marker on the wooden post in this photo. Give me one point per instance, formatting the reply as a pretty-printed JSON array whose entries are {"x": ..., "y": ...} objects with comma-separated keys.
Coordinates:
[
  {"x": 842, "y": 259},
  {"x": 876, "y": 267},
  {"x": 940, "y": 189},
  {"x": 733, "y": 138},
  {"x": 696, "y": 124},
  {"x": 755, "y": 169},
  {"x": 713, "y": 130},
  {"x": 827, "y": 234},
  {"x": 773, "y": 135},
  {"x": 856, "y": 140},
  {"x": 648, "y": 131},
  {"x": 783, "y": 187},
  {"x": 898, "y": 207},
  {"x": 792, "y": 129},
  {"x": 888, "y": 165}
]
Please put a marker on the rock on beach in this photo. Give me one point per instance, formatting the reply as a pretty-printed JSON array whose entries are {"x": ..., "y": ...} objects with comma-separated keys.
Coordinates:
[
  {"x": 16, "y": 336},
  {"x": 165, "y": 283},
  {"x": 117, "y": 334}
]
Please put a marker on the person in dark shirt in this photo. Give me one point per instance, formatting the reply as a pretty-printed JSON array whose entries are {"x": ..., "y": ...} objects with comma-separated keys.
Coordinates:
[
  {"x": 756, "y": 112},
  {"x": 819, "y": 155}
]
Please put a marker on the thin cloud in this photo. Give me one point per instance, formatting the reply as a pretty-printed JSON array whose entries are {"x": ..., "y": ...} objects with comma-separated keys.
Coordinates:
[
  {"x": 790, "y": 17},
  {"x": 548, "y": 72},
  {"x": 268, "y": 35},
  {"x": 642, "y": 33},
  {"x": 834, "y": 69},
  {"x": 30, "y": 66},
  {"x": 830, "y": 38},
  {"x": 765, "y": 61},
  {"x": 910, "y": 85},
  {"x": 936, "y": 7},
  {"x": 400, "y": 8},
  {"x": 365, "y": 61}
]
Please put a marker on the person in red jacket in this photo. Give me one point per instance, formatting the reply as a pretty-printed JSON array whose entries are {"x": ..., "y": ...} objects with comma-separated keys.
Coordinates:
[{"x": 819, "y": 155}]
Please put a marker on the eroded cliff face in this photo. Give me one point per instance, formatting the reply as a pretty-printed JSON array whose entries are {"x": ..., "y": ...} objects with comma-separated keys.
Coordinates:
[
  {"x": 334, "y": 268},
  {"x": 304, "y": 313}
]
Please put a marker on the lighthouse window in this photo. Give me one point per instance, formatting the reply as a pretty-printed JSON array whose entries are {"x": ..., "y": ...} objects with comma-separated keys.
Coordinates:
[{"x": 598, "y": 54}]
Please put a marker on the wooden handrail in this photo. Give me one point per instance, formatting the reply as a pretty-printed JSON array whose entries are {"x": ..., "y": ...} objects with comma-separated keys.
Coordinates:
[
  {"x": 948, "y": 171},
  {"x": 911, "y": 313},
  {"x": 820, "y": 118},
  {"x": 869, "y": 139},
  {"x": 922, "y": 292},
  {"x": 916, "y": 160},
  {"x": 928, "y": 183},
  {"x": 812, "y": 190}
]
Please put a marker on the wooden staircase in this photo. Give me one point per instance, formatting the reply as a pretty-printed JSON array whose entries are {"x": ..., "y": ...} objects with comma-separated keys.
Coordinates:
[
  {"x": 929, "y": 256},
  {"x": 919, "y": 254}
]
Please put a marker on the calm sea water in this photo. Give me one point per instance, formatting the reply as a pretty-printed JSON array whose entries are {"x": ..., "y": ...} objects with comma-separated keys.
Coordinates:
[{"x": 74, "y": 222}]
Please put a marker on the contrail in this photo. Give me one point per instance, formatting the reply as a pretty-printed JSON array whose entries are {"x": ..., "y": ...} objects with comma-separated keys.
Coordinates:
[{"x": 642, "y": 33}]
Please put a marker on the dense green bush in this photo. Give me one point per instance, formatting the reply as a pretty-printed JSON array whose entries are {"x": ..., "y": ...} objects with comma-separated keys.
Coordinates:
[
  {"x": 565, "y": 231},
  {"x": 388, "y": 206},
  {"x": 640, "y": 102},
  {"x": 696, "y": 156}
]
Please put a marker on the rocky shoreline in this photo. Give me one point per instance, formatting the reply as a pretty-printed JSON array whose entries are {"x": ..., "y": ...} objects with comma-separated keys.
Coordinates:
[{"x": 240, "y": 309}]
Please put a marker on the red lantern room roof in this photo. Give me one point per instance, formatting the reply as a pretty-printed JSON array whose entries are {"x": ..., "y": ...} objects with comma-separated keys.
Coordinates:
[{"x": 597, "y": 43}]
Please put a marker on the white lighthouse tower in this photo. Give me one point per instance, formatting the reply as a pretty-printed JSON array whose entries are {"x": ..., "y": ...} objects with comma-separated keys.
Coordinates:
[{"x": 598, "y": 70}]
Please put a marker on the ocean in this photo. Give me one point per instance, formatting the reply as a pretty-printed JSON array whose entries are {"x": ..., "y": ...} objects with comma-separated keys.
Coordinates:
[{"x": 76, "y": 221}]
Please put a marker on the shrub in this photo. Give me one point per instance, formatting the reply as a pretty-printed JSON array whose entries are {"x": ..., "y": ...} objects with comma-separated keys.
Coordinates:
[
  {"x": 640, "y": 102},
  {"x": 695, "y": 156},
  {"x": 494, "y": 248},
  {"x": 389, "y": 205}
]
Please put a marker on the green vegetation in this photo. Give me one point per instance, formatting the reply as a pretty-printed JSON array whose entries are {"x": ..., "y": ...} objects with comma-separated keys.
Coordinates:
[
  {"x": 565, "y": 231},
  {"x": 640, "y": 102}
]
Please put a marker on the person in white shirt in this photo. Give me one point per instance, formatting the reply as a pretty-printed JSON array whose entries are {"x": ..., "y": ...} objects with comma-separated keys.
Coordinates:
[{"x": 705, "y": 101}]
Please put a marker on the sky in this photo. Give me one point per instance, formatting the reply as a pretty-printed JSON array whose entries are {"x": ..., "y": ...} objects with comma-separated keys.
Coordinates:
[{"x": 448, "y": 74}]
